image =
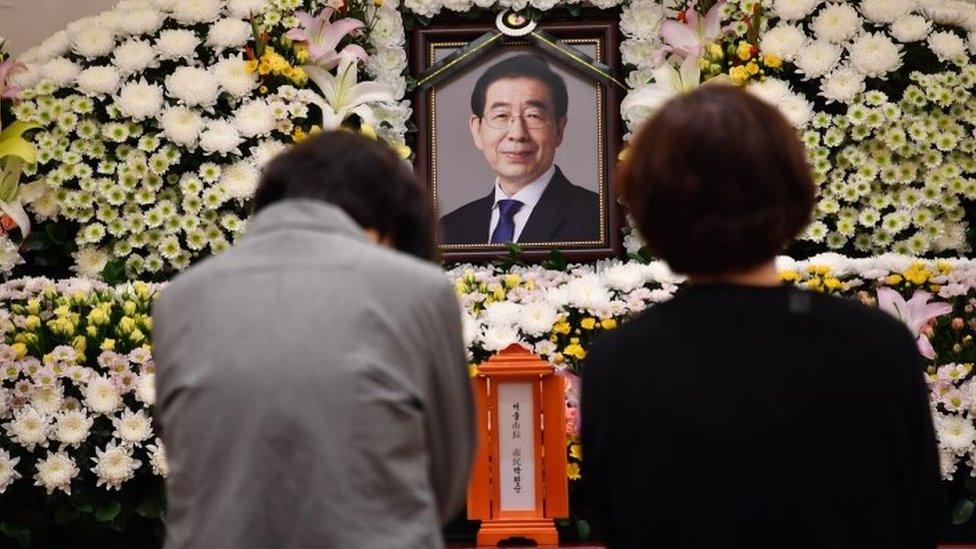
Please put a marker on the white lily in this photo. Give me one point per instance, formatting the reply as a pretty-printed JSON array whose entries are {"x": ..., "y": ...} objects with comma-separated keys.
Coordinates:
[
  {"x": 342, "y": 93},
  {"x": 668, "y": 82}
]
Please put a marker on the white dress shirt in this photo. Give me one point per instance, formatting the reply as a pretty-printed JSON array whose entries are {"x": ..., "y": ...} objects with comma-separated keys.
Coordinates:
[{"x": 529, "y": 196}]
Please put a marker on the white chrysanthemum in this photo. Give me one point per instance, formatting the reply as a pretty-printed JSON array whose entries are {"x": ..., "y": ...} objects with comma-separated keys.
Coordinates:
[
  {"x": 949, "y": 12},
  {"x": 955, "y": 432},
  {"x": 239, "y": 180},
  {"x": 101, "y": 395},
  {"x": 642, "y": 19},
  {"x": 193, "y": 86},
  {"x": 797, "y": 109},
  {"x": 261, "y": 154},
  {"x": 157, "y": 458},
  {"x": 537, "y": 318},
  {"x": 99, "y": 80},
  {"x": 790, "y": 10},
  {"x": 181, "y": 125},
  {"x": 234, "y": 77},
  {"x": 818, "y": 58},
  {"x": 770, "y": 90},
  {"x": 134, "y": 56},
  {"x": 140, "y": 100},
  {"x": 254, "y": 119},
  {"x": 146, "y": 389},
  {"x": 197, "y": 11},
  {"x": 496, "y": 338},
  {"x": 885, "y": 11},
  {"x": 53, "y": 46},
  {"x": 387, "y": 31},
  {"x": 842, "y": 85},
  {"x": 92, "y": 41},
  {"x": 114, "y": 465},
  {"x": 874, "y": 54},
  {"x": 28, "y": 77},
  {"x": 60, "y": 71},
  {"x": 89, "y": 261},
  {"x": 947, "y": 46},
  {"x": 220, "y": 136},
  {"x": 623, "y": 277},
  {"x": 48, "y": 399},
  {"x": 424, "y": 8},
  {"x": 165, "y": 5},
  {"x": 132, "y": 426},
  {"x": 503, "y": 313},
  {"x": 28, "y": 428},
  {"x": 588, "y": 292},
  {"x": 911, "y": 28},
  {"x": 783, "y": 41},
  {"x": 72, "y": 427},
  {"x": 55, "y": 472},
  {"x": 8, "y": 471},
  {"x": 470, "y": 328},
  {"x": 244, "y": 8},
  {"x": 228, "y": 33},
  {"x": 836, "y": 23},
  {"x": 177, "y": 44},
  {"x": 141, "y": 21}
]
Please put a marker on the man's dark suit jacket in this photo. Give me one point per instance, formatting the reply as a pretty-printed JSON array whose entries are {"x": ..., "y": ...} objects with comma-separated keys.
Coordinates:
[{"x": 564, "y": 213}]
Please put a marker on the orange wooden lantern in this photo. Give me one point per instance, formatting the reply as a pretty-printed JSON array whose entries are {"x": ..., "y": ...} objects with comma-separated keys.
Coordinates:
[{"x": 518, "y": 485}]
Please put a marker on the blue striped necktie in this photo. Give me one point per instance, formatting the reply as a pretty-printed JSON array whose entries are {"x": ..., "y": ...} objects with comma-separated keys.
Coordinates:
[{"x": 505, "y": 230}]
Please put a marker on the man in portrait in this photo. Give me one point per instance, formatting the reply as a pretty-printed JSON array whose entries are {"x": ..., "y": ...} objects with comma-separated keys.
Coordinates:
[{"x": 519, "y": 113}]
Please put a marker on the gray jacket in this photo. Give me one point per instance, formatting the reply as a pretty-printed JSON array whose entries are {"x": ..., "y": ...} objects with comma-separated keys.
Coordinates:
[{"x": 312, "y": 391}]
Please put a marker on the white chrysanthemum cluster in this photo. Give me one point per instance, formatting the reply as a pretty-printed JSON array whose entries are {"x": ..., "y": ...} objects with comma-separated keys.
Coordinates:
[
  {"x": 134, "y": 102},
  {"x": 893, "y": 174},
  {"x": 61, "y": 412}
]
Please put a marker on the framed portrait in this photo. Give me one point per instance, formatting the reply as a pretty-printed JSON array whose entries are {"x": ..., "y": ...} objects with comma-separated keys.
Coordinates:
[{"x": 518, "y": 145}]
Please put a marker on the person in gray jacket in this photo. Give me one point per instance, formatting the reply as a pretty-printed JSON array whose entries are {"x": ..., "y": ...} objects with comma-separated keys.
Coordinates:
[{"x": 312, "y": 385}]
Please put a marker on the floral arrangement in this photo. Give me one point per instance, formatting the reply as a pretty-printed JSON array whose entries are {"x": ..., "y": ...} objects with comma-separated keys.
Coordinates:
[
  {"x": 874, "y": 86},
  {"x": 77, "y": 385},
  {"x": 156, "y": 117},
  {"x": 76, "y": 395}
]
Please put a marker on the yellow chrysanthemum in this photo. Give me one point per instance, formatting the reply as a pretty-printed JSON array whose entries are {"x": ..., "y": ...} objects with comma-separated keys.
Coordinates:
[
  {"x": 573, "y": 471},
  {"x": 576, "y": 451},
  {"x": 588, "y": 323},
  {"x": 608, "y": 323},
  {"x": 772, "y": 61}
]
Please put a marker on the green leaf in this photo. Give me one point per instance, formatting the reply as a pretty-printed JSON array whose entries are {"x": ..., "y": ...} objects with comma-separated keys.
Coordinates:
[
  {"x": 86, "y": 508},
  {"x": 113, "y": 272},
  {"x": 65, "y": 514},
  {"x": 151, "y": 508},
  {"x": 962, "y": 511},
  {"x": 583, "y": 529},
  {"x": 556, "y": 261},
  {"x": 18, "y": 532},
  {"x": 109, "y": 511},
  {"x": 514, "y": 249}
]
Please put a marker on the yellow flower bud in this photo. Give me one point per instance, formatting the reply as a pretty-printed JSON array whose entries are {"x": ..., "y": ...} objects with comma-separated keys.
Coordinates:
[
  {"x": 33, "y": 307},
  {"x": 498, "y": 292},
  {"x": 893, "y": 279},
  {"x": 80, "y": 343},
  {"x": 772, "y": 60},
  {"x": 752, "y": 67},
  {"x": 126, "y": 325},
  {"x": 108, "y": 345},
  {"x": 91, "y": 331},
  {"x": 715, "y": 51},
  {"x": 129, "y": 308},
  {"x": 19, "y": 349},
  {"x": 512, "y": 280},
  {"x": 744, "y": 51},
  {"x": 588, "y": 323},
  {"x": 137, "y": 336},
  {"x": 32, "y": 322},
  {"x": 608, "y": 323}
]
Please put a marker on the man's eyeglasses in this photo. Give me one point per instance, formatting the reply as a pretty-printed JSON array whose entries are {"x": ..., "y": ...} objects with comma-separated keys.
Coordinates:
[{"x": 534, "y": 120}]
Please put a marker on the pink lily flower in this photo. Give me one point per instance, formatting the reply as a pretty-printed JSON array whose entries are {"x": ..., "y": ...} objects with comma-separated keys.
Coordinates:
[
  {"x": 323, "y": 36},
  {"x": 9, "y": 68},
  {"x": 689, "y": 37},
  {"x": 915, "y": 313}
]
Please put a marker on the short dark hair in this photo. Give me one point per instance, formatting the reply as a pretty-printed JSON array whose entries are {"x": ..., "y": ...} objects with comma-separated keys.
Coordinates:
[
  {"x": 521, "y": 66},
  {"x": 363, "y": 177},
  {"x": 717, "y": 181}
]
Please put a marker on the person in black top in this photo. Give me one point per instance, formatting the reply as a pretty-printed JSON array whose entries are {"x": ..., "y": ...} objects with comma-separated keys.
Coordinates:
[{"x": 744, "y": 413}]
